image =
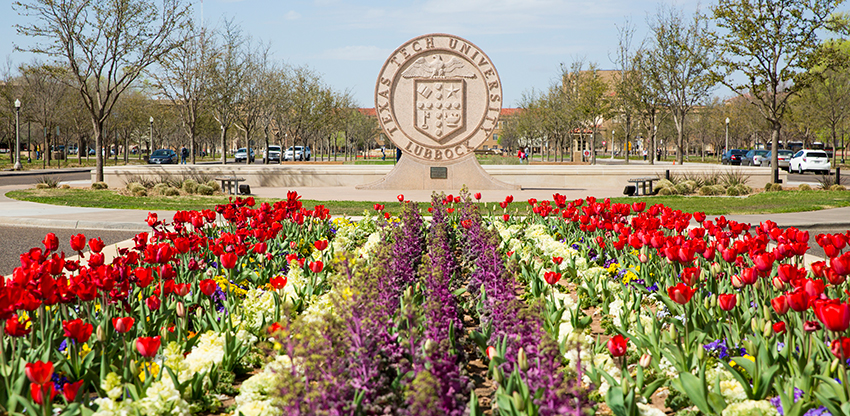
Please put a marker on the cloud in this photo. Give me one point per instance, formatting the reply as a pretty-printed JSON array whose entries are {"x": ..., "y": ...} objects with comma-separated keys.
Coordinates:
[
  {"x": 355, "y": 53},
  {"x": 292, "y": 15}
]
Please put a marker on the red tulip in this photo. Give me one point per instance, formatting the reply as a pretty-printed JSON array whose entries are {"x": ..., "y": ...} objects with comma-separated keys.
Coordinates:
[
  {"x": 78, "y": 242},
  {"x": 798, "y": 299},
  {"x": 153, "y": 303},
  {"x": 152, "y": 219},
  {"x": 834, "y": 278},
  {"x": 378, "y": 207},
  {"x": 466, "y": 224},
  {"x": 557, "y": 260},
  {"x": 617, "y": 345},
  {"x": 764, "y": 261},
  {"x": 181, "y": 289},
  {"x": 317, "y": 266},
  {"x": 321, "y": 245},
  {"x": 817, "y": 268},
  {"x": 39, "y": 372},
  {"x": 779, "y": 327},
  {"x": 506, "y": 217},
  {"x": 699, "y": 217},
  {"x": 780, "y": 304},
  {"x": 208, "y": 286},
  {"x": 16, "y": 328},
  {"x": 491, "y": 352},
  {"x": 228, "y": 260},
  {"x": 96, "y": 245},
  {"x": 727, "y": 301},
  {"x": 70, "y": 390},
  {"x": 835, "y": 316},
  {"x": 811, "y": 326},
  {"x": 51, "y": 242},
  {"x": 278, "y": 282},
  {"x": 37, "y": 392},
  {"x": 477, "y": 196},
  {"x": 510, "y": 198},
  {"x": 789, "y": 273},
  {"x": 148, "y": 346},
  {"x": 259, "y": 248},
  {"x": 680, "y": 293},
  {"x": 551, "y": 277},
  {"x": 78, "y": 330},
  {"x": 400, "y": 197},
  {"x": 143, "y": 275},
  {"x": 123, "y": 325},
  {"x": 841, "y": 264},
  {"x": 841, "y": 348},
  {"x": 690, "y": 276}
]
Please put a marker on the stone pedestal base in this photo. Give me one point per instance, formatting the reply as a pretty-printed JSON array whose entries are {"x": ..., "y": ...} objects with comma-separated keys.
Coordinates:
[{"x": 410, "y": 173}]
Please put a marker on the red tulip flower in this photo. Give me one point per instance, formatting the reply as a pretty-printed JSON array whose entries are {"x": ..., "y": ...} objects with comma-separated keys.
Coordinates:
[
  {"x": 96, "y": 245},
  {"x": 727, "y": 301},
  {"x": 78, "y": 330},
  {"x": 780, "y": 304},
  {"x": 378, "y": 207},
  {"x": 228, "y": 260},
  {"x": 51, "y": 242},
  {"x": 557, "y": 260},
  {"x": 70, "y": 390},
  {"x": 841, "y": 264},
  {"x": 208, "y": 286},
  {"x": 551, "y": 277},
  {"x": 123, "y": 325},
  {"x": 400, "y": 197},
  {"x": 477, "y": 196},
  {"x": 37, "y": 392},
  {"x": 798, "y": 300},
  {"x": 779, "y": 327},
  {"x": 278, "y": 282},
  {"x": 681, "y": 293},
  {"x": 182, "y": 289},
  {"x": 491, "y": 352},
  {"x": 764, "y": 261},
  {"x": 835, "y": 316},
  {"x": 16, "y": 328},
  {"x": 317, "y": 266},
  {"x": 144, "y": 277},
  {"x": 148, "y": 346},
  {"x": 153, "y": 303},
  {"x": 506, "y": 217},
  {"x": 78, "y": 242},
  {"x": 789, "y": 273},
  {"x": 841, "y": 348},
  {"x": 617, "y": 345},
  {"x": 39, "y": 372},
  {"x": 811, "y": 326},
  {"x": 321, "y": 245}
]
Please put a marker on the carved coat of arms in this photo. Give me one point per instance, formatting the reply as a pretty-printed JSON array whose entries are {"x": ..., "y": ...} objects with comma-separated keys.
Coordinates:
[{"x": 440, "y": 102}]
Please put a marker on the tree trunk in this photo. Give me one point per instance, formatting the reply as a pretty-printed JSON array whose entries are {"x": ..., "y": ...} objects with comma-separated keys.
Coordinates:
[
  {"x": 98, "y": 150},
  {"x": 774, "y": 154},
  {"x": 680, "y": 139},
  {"x": 223, "y": 146}
]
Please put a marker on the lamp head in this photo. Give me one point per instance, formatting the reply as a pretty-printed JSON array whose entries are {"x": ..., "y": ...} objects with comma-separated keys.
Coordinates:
[
  {"x": 17, "y": 104},
  {"x": 151, "y": 119},
  {"x": 727, "y": 120}
]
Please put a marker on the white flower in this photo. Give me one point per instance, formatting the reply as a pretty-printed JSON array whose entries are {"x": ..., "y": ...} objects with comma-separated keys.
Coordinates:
[
  {"x": 161, "y": 398},
  {"x": 732, "y": 391},
  {"x": 113, "y": 386},
  {"x": 258, "y": 408},
  {"x": 647, "y": 410},
  {"x": 208, "y": 351},
  {"x": 109, "y": 407},
  {"x": 750, "y": 408},
  {"x": 258, "y": 309}
]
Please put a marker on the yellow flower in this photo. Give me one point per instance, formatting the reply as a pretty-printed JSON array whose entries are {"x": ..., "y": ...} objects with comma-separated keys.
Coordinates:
[{"x": 152, "y": 368}]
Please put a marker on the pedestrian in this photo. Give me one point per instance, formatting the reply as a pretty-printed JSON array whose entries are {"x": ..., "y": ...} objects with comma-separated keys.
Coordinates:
[
  {"x": 519, "y": 155},
  {"x": 644, "y": 155},
  {"x": 525, "y": 155},
  {"x": 383, "y": 154},
  {"x": 184, "y": 154}
]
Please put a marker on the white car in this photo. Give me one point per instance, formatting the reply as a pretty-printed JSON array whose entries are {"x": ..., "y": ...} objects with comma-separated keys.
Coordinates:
[
  {"x": 297, "y": 153},
  {"x": 809, "y": 160},
  {"x": 242, "y": 155},
  {"x": 272, "y": 155}
]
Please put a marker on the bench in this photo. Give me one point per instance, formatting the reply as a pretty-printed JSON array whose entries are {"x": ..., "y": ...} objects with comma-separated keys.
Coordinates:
[
  {"x": 231, "y": 184},
  {"x": 640, "y": 185}
]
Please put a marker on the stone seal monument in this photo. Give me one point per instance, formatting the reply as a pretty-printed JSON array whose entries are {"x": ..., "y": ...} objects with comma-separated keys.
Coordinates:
[{"x": 437, "y": 98}]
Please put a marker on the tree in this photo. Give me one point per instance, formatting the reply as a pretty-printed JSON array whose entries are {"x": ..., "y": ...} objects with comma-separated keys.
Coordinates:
[
  {"x": 106, "y": 45},
  {"x": 627, "y": 86},
  {"x": 226, "y": 80},
  {"x": 183, "y": 78},
  {"x": 649, "y": 101},
  {"x": 42, "y": 91},
  {"x": 589, "y": 95},
  {"x": 680, "y": 58},
  {"x": 766, "y": 48}
]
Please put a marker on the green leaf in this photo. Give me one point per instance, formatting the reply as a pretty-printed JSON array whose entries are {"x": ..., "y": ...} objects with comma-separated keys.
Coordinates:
[
  {"x": 614, "y": 400},
  {"x": 694, "y": 388}
]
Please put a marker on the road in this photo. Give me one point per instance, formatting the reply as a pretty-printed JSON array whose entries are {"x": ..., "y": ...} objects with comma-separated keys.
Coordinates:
[{"x": 19, "y": 240}]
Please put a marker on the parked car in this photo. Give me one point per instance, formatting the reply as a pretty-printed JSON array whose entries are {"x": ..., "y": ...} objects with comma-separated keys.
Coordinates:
[
  {"x": 163, "y": 156},
  {"x": 784, "y": 156},
  {"x": 733, "y": 157},
  {"x": 754, "y": 157},
  {"x": 242, "y": 155},
  {"x": 272, "y": 154},
  {"x": 297, "y": 153},
  {"x": 809, "y": 160}
]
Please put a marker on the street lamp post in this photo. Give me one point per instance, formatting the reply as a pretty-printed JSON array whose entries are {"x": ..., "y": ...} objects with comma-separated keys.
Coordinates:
[
  {"x": 726, "y": 149},
  {"x": 18, "y": 165}
]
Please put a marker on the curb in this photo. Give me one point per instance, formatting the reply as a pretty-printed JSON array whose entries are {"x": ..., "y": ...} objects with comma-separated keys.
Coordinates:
[
  {"x": 42, "y": 172},
  {"x": 73, "y": 224}
]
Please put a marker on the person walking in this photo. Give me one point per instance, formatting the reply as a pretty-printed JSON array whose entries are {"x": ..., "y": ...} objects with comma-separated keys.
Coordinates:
[{"x": 184, "y": 154}]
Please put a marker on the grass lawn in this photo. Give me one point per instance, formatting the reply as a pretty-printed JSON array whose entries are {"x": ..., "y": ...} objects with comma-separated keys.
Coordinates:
[{"x": 763, "y": 203}]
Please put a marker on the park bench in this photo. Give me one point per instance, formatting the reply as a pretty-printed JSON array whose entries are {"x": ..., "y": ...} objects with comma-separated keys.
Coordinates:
[
  {"x": 640, "y": 184},
  {"x": 231, "y": 184}
]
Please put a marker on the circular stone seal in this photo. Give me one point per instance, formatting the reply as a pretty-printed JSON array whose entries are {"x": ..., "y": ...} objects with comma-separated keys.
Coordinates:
[{"x": 438, "y": 97}]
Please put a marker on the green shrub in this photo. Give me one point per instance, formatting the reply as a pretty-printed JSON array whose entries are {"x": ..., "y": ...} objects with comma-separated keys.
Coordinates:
[
  {"x": 160, "y": 188},
  {"x": 216, "y": 187},
  {"x": 204, "y": 190},
  {"x": 804, "y": 187},
  {"x": 837, "y": 187},
  {"x": 66, "y": 186},
  {"x": 48, "y": 182},
  {"x": 683, "y": 188},
  {"x": 733, "y": 191},
  {"x": 140, "y": 191},
  {"x": 667, "y": 191},
  {"x": 99, "y": 185},
  {"x": 190, "y": 186},
  {"x": 42, "y": 186},
  {"x": 664, "y": 183},
  {"x": 169, "y": 191},
  {"x": 710, "y": 190}
]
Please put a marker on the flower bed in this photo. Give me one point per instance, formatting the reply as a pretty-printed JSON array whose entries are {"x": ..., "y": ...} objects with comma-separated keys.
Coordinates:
[{"x": 574, "y": 308}]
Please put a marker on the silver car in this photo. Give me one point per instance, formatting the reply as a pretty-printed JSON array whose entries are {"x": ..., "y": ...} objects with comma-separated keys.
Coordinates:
[
  {"x": 783, "y": 157},
  {"x": 754, "y": 157}
]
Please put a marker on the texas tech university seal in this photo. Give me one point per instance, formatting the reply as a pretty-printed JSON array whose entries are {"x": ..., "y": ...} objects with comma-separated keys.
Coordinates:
[{"x": 438, "y": 97}]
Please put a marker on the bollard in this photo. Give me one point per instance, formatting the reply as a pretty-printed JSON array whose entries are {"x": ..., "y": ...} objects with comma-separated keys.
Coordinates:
[
  {"x": 667, "y": 174},
  {"x": 838, "y": 175}
]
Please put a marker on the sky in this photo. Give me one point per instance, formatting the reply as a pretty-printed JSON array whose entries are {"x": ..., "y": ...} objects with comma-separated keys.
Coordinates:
[{"x": 347, "y": 41}]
